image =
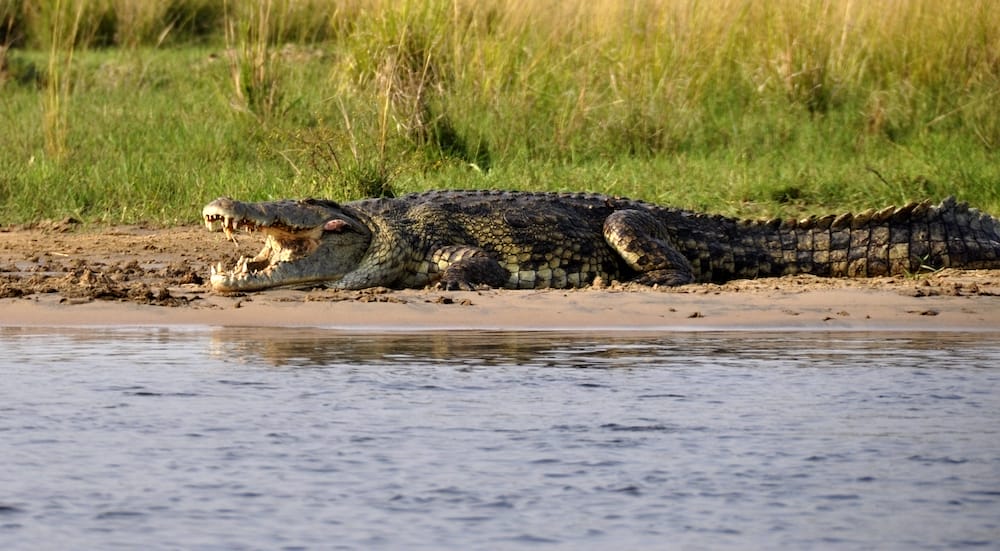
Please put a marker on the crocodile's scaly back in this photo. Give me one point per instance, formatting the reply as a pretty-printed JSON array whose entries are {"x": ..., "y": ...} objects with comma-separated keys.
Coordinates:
[
  {"x": 538, "y": 239},
  {"x": 463, "y": 239}
]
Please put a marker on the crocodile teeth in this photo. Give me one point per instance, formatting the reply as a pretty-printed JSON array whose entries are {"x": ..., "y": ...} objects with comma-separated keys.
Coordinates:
[{"x": 230, "y": 234}]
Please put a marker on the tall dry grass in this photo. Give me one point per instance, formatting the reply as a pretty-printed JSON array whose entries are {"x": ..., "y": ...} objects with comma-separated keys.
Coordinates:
[
  {"x": 741, "y": 102},
  {"x": 643, "y": 75},
  {"x": 63, "y": 18},
  {"x": 652, "y": 76},
  {"x": 250, "y": 32}
]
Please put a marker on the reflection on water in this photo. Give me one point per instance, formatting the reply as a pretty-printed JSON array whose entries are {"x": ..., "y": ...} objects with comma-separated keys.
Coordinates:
[
  {"x": 218, "y": 438},
  {"x": 316, "y": 347}
]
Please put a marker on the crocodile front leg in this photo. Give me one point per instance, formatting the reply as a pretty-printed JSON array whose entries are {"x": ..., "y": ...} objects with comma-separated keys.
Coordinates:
[
  {"x": 645, "y": 246},
  {"x": 465, "y": 268}
]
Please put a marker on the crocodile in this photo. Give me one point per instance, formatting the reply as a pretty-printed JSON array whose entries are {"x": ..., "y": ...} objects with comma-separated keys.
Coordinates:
[{"x": 463, "y": 240}]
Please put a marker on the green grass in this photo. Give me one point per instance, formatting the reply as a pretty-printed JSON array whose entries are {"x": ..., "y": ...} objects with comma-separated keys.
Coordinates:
[{"x": 735, "y": 106}]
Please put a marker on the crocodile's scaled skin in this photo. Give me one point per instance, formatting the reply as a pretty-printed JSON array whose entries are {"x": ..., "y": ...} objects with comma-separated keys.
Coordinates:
[{"x": 519, "y": 240}]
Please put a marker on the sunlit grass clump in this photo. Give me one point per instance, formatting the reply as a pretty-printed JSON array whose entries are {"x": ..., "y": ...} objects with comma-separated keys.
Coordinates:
[{"x": 743, "y": 106}]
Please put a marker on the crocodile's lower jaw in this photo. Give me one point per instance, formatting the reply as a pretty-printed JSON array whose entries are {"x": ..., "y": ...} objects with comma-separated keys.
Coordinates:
[
  {"x": 272, "y": 277},
  {"x": 272, "y": 267},
  {"x": 241, "y": 277}
]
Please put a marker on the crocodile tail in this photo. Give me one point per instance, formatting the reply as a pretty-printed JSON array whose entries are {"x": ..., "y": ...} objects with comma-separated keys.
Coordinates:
[{"x": 908, "y": 239}]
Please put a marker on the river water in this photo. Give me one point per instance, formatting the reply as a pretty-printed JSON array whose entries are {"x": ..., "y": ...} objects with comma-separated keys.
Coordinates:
[{"x": 214, "y": 438}]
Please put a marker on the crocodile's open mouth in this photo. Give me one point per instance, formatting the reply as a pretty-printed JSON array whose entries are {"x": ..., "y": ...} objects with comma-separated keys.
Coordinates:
[
  {"x": 271, "y": 267},
  {"x": 306, "y": 243}
]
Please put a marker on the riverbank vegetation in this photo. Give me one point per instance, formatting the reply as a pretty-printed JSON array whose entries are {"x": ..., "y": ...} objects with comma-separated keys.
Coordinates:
[{"x": 118, "y": 111}]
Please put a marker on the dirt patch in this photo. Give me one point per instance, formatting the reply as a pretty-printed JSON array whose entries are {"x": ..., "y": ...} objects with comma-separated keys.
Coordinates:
[{"x": 134, "y": 264}]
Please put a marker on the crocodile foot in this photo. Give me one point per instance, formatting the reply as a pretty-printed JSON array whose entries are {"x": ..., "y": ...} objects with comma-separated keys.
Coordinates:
[{"x": 472, "y": 273}]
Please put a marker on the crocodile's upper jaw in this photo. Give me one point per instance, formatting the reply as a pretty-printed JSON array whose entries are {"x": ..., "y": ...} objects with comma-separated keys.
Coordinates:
[{"x": 320, "y": 248}]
